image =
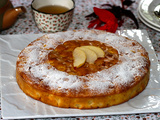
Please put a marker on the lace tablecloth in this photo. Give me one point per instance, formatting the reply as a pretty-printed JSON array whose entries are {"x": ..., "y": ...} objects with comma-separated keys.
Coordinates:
[{"x": 26, "y": 25}]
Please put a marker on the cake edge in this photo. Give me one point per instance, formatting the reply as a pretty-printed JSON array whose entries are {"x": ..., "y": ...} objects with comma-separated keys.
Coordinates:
[{"x": 81, "y": 102}]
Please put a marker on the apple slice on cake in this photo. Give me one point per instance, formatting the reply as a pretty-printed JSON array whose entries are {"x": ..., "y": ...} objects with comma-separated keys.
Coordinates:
[
  {"x": 79, "y": 57},
  {"x": 86, "y": 54}
]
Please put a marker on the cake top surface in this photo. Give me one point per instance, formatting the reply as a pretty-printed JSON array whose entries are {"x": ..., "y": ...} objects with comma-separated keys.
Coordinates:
[{"x": 133, "y": 61}]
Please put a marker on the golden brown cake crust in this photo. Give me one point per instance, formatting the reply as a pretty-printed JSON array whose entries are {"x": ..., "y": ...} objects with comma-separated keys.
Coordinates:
[{"x": 117, "y": 84}]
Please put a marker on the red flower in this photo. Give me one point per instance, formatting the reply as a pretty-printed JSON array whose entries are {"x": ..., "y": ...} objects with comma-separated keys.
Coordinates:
[
  {"x": 105, "y": 21},
  {"x": 118, "y": 11}
]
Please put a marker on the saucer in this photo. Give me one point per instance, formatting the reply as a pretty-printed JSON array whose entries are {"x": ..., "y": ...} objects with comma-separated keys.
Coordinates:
[
  {"x": 146, "y": 13},
  {"x": 147, "y": 23}
]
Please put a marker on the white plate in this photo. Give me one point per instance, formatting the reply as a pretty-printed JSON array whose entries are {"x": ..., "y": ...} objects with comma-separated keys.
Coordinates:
[
  {"x": 16, "y": 105},
  {"x": 148, "y": 24},
  {"x": 146, "y": 10}
]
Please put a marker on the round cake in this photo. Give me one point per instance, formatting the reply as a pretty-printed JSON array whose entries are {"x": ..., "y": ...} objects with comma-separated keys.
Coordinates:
[{"x": 83, "y": 69}]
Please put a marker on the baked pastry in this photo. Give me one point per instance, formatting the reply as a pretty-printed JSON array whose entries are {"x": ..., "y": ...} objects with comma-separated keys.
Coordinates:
[{"x": 47, "y": 71}]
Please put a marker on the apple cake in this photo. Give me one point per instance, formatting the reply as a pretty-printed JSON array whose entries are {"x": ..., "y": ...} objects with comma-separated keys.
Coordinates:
[{"x": 83, "y": 69}]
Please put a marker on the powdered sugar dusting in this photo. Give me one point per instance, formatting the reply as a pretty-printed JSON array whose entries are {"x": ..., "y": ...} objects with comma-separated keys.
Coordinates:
[{"x": 131, "y": 63}]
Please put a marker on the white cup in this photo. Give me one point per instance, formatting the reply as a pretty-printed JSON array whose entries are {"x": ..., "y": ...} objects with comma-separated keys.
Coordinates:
[{"x": 47, "y": 22}]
